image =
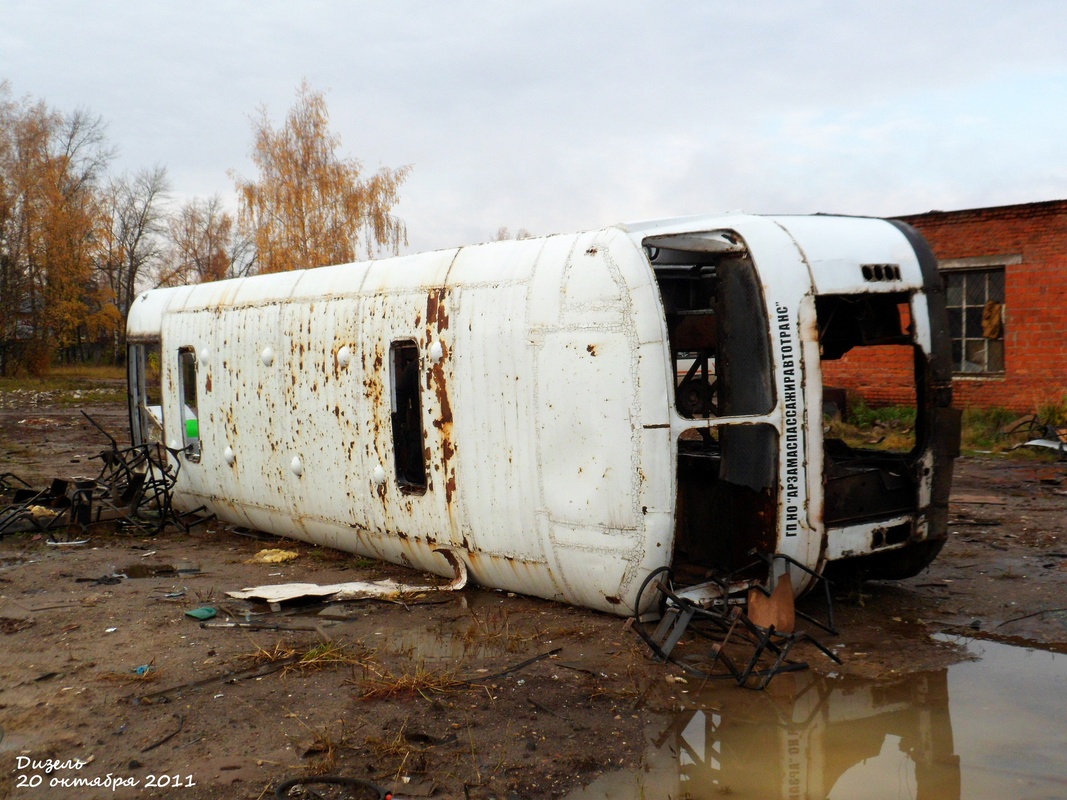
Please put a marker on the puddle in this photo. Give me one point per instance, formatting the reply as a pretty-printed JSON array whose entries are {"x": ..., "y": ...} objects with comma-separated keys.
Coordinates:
[
  {"x": 990, "y": 728},
  {"x": 484, "y": 632},
  {"x": 439, "y": 648},
  {"x": 148, "y": 571}
]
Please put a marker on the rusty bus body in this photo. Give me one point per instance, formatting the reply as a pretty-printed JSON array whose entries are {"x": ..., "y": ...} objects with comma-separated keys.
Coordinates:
[{"x": 565, "y": 414}]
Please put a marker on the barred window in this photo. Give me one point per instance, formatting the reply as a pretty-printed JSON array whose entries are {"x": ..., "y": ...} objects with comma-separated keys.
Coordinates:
[{"x": 975, "y": 300}]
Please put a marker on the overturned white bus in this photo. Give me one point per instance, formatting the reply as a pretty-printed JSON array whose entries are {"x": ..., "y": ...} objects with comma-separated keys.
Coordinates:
[{"x": 565, "y": 414}]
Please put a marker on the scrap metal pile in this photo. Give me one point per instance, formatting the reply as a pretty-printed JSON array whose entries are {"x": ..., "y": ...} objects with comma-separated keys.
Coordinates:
[
  {"x": 751, "y": 632},
  {"x": 133, "y": 488}
]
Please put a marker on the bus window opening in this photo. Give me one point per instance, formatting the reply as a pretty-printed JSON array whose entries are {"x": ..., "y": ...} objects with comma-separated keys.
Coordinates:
[
  {"x": 190, "y": 422},
  {"x": 408, "y": 454},
  {"x": 869, "y": 469}
]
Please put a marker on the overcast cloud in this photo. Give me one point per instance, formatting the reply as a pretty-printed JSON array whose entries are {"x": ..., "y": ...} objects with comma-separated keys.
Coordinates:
[{"x": 557, "y": 116}]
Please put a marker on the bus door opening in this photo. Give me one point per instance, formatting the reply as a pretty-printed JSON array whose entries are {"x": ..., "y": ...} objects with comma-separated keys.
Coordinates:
[
  {"x": 721, "y": 351},
  {"x": 145, "y": 382}
]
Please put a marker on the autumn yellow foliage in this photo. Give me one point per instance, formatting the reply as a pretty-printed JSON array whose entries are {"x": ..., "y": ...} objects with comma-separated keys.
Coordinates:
[{"x": 310, "y": 206}]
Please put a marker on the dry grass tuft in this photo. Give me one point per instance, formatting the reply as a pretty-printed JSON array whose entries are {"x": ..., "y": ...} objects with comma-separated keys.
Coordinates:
[
  {"x": 328, "y": 654},
  {"x": 321, "y": 656},
  {"x": 397, "y": 755},
  {"x": 381, "y": 684},
  {"x": 324, "y": 746},
  {"x": 493, "y": 628},
  {"x": 280, "y": 651}
]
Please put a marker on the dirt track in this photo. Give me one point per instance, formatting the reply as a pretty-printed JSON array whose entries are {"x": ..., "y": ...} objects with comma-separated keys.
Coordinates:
[{"x": 437, "y": 688}]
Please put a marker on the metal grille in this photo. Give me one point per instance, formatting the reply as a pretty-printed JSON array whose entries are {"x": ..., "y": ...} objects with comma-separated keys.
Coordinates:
[{"x": 975, "y": 300}]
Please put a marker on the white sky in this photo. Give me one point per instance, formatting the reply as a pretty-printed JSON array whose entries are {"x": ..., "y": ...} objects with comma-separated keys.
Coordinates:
[{"x": 559, "y": 116}]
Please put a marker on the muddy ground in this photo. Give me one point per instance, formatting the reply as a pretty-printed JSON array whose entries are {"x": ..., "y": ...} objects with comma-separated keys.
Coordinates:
[{"x": 473, "y": 694}]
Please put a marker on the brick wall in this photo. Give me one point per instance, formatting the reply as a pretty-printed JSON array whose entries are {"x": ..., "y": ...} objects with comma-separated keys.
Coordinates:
[
  {"x": 1032, "y": 238},
  {"x": 880, "y": 375}
]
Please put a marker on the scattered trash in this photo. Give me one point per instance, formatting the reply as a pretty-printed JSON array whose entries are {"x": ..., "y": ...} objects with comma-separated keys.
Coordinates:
[
  {"x": 8, "y": 481},
  {"x": 765, "y": 631},
  {"x": 133, "y": 487},
  {"x": 775, "y": 610},
  {"x": 11, "y": 625},
  {"x": 268, "y": 626},
  {"x": 142, "y": 670},
  {"x": 147, "y": 571},
  {"x": 1059, "y": 444},
  {"x": 163, "y": 695},
  {"x": 1038, "y": 433},
  {"x": 1022, "y": 423},
  {"x": 202, "y": 613},
  {"x": 273, "y": 556},
  {"x": 357, "y": 590},
  {"x": 110, "y": 630},
  {"x": 368, "y": 789}
]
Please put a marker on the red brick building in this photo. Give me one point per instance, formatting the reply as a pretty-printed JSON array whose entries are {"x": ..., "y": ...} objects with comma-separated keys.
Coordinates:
[{"x": 1005, "y": 272}]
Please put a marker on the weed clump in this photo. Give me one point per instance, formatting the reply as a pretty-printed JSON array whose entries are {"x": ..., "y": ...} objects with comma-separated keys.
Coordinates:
[{"x": 380, "y": 683}]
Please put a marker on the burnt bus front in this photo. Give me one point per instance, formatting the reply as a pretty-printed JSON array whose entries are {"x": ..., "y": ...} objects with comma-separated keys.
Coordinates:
[
  {"x": 754, "y": 311},
  {"x": 886, "y": 503}
]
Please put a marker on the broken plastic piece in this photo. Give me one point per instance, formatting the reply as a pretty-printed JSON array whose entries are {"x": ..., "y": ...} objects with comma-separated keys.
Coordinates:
[
  {"x": 356, "y": 590},
  {"x": 1050, "y": 444}
]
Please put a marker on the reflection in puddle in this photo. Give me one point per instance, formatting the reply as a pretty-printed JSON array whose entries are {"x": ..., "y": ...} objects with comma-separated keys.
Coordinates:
[
  {"x": 439, "y": 647},
  {"x": 482, "y": 632},
  {"x": 991, "y": 728}
]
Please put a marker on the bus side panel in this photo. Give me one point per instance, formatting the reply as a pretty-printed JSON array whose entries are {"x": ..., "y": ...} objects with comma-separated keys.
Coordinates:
[
  {"x": 493, "y": 507},
  {"x": 591, "y": 455}
]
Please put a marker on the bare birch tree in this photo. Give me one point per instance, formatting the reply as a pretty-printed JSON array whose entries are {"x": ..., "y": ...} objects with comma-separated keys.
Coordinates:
[
  {"x": 201, "y": 235},
  {"x": 134, "y": 245}
]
